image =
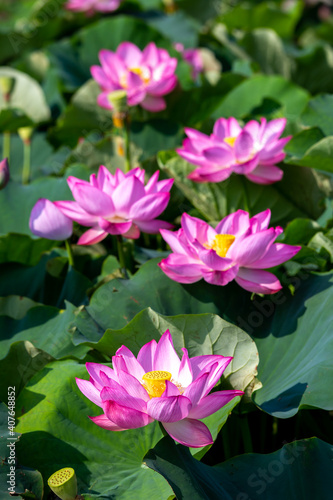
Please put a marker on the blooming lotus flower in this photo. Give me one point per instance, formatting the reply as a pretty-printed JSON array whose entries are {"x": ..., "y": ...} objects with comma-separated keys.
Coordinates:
[
  {"x": 239, "y": 248},
  {"x": 252, "y": 151},
  {"x": 146, "y": 76},
  {"x": 117, "y": 204},
  {"x": 192, "y": 57},
  {"x": 157, "y": 385},
  {"x": 91, "y": 6},
  {"x": 47, "y": 221}
]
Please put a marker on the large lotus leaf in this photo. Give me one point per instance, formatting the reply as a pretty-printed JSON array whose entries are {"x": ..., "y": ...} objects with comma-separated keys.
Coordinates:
[
  {"x": 27, "y": 95},
  {"x": 17, "y": 200},
  {"x": 295, "y": 344},
  {"x": 250, "y": 94},
  {"x": 177, "y": 27},
  {"x": 251, "y": 15},
  {"x": 23, "y": 249},
  {"x": 313, "y": 68},
  {"x": 300, "y": 194},
  {"x": 5, "y": 432},
  {"x": 319, "y": 113},
  {"x": 294, "y": 471},
  {"x": 318, "y": 156},
  {"x": 28, "y": 483},
  {"x": 53, "y": 418}
]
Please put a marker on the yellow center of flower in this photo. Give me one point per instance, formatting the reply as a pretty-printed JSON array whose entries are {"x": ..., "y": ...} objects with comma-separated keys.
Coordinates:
[
  {"x": 137, "y": 71},
  {"x": 230, "y": 140},
  {"x": 221, "y": 244},
  {"x": 154, "y": 382}
]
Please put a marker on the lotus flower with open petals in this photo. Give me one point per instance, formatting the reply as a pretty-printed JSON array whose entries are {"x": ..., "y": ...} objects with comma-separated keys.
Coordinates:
[
  {"x": 239, "y": 248},
  {"x": 91, "y": 6},
  {"x": 118, "y": 204},
  {"x": 145, "y": 75},
  {"x": 157, "y": 385},
  {"x": 252, "y": 151}
]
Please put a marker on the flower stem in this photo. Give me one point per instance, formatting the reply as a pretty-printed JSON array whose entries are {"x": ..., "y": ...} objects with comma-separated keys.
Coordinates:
[
  {"x": 245, "y": 197},
  {"x": 164, "y": 432},
  {"x": 127, "y": 144},
  {"x": 69, "y": 253},
  {"x": 6, "y": 145},
  {"x": 245, "y": 430},
  {"x": 121, "y": 256},
  {"x": 26, "y": 161}
]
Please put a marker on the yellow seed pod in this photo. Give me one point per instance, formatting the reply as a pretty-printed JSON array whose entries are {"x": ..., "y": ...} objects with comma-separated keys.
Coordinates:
[{"x": 64, "y": 484}]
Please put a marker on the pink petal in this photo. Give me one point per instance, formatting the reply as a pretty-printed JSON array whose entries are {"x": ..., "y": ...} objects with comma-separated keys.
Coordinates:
[
  {"x": 126, "y": 194},
  {"x": 176, "y": 273},
  {"x": 112, "y": 65},
  {"x": 162, "y": 87},
  {"x": 189, "y": 432},
  {"x": 103, "y": 100},
  {"x": 220, "y": 278},
  {"x": 93, "y": 200},
  {"x": 204, "y": 175},
  {"x": 153, "y": 103},
  {"x": 92, "y": 236},
  {"x": 106, "y": 181},
  {"x": 258, "y": 281},
  {"x": 196, "y": 390},
  {"x": 197, "y": 229},
  {"x": 73, "y": 210},
  {"x": 260, "y": 221},
  {"x": 153, "y": 226},
  {"x": 212, "y": 403},
  {"x": 252, "y": 127},
  {"x": 47, "y": 221},
  {"x": 221, "y": 155},
  {"x": 166, "y": 357},
  {"x": 169, "y": 409},
  {"x": 94, "y": 370},
  {"x": 118, "y": 394},
  {"x": 203, "y": 364},
  {"x": 146, "y": 356},
  {"x": 115, "y": 227},
  {"x": 150, "y": 55},
  {"x": 213, "y": 261},
  {"x": 90, "y": 391},
  {"x": 221, "y": 129},
  {"x": 198, "y": 138},
  {"x": 234, "y": 128},
  {"x": 265, "y": 174},
  {"x": 130, "y": 54},
  {"x": 174, "y": 241},
  {"x": 247, "y": 166},
  {"x": 132, "y": 365},
  {"x": 248, "y": 249},
  {"x": 149, "y": 207},
  {"x": 276, "y": 255},
  {"x": 133, "y": 386},
  {"x": 273, "y": 130},
  {"x": 105, "y": 423},
  {"x": 185, "y": 376},
  {"x": 236, "y": 223},
  {"x": 273, "y": 148},
  {"x": 243, "y": 146},
  {"x": 126, "y": 418},
  {"x": 99, "y": 75},
  {"x": 133, "y": 233}
]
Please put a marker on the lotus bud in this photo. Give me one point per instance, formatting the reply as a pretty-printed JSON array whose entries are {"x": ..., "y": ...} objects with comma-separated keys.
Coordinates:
[
  {"x": 6, "y": 86},
  {"x": 118, "y": 101},
  {"x": 25, "y": 133},
  {"x": 4, "y": 173},
  {"x": 64, "y": 484}
]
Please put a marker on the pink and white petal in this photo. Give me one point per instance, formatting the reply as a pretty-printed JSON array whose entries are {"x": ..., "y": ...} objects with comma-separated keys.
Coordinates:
[
  {"x": 126, "y": 194},
  {"x": 198, "y": 137},
  {"x": 273, "y": 160},
  {"x": 185, "y": 375},
  {"x": 115, "y": 227},
  {"x": 212, "y": 403},
  {"x": 209, "y": 175},
  {"x": 184, "y": 266},
  {"x": 247, "y": 166},
  {"x": 170, "y": 390},
  {"x": 213, "y": 261},
  {"x": 103, "y": 100},
  {"x": 272, "y": 130},
  {"x": 243, "y": 146},
  {"x": 136, "y": 96},
  {"x": 175, "y": 242},
  {"x": 257, "y": 281},
  {"x": 166, "y": 358},
  {"x": 221, "y": 129},
  {"x": 189, "y": 156},
  {"x": 150, "y": 56},
  {"x": 93, "y": 200},
  {"x": 248, "y": 249},
  {"x": 146, "y": 356},
  {"x": 273, "y": 148},
  {"x": 149, "y": 206},
  {"x": 153, "y": 226},
  {"x": 115, "y": 392},
  {"x": 73, "y": 210},
  {"x": 92, "y": 236},
  {"x": 94, "y": 370},
  {"x": 99, "y": 75},
  {"x": 197, "y": 229},
  {"x": 234, "y": 127},
  {"x": 131, "y": 363},
  {"x": 189, "y": 432},
  {"x": 152, "y": 183},
  {"x": 276, "y": 255},
  {"x": 133, "y": 233},
  {"x": 208, "y": 363},
  {"x": 48, "y": 221},
  {"x": 153, "y": 103},
  {"x": 106, "y": 181},
  {"x": 176, "y": 273},
  {"x": 265, "y": 174},
  {"x": 165, "y": 69},
  {"x": 220, "y": 278},
  {"x": 90, "y": 391},
  {"x": 220, "y": 155},
  {"x": 195, "y": 391},
  {"x": 126, "y": 418},
  {"x": 162, "y": 87},
  {"x": 260, "y": 221},
  {"x": 168, "y": 409},
  {"x": 105, "y": 423},
  {"x": 112, "y": 65},
  {"x": 130, "y": 54},
  {"x": 133, "y": 386},
  {"x": 253, "y": 128},
  {"x": 236, "y": 224}
]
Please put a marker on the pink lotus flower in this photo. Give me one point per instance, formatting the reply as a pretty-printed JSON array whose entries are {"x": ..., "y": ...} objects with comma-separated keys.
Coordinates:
[
  {"x": 146, "y": 76},
  {"x": 47, "y": 221},
  {"x": 117, "y": 204},
  {"x": 252, "y": 151},
  {"x": 158, "y": 386},
  {"x": 91, "y": 6},
  {"x": 192, "y": 57},
  {"x": 238, "y": 248}
]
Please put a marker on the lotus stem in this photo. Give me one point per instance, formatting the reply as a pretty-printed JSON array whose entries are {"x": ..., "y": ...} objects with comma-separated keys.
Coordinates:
[
  {"x": 6, "y": 145},
  {"x": 127, "y": 142},
  {"x": 69, "y": 253},
  {"x": 26, "y": 161},
  {"x": 121, "y": 256},
  {"x": 246, "y": 434}
]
